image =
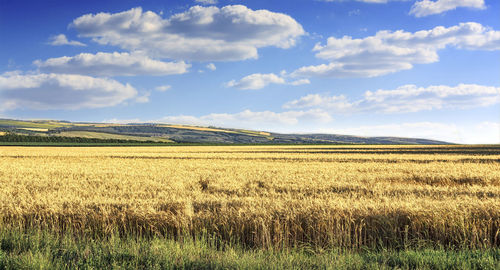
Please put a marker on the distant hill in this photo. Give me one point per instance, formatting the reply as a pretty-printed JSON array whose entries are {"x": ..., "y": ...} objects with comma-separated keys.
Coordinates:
[{"x": 165, "y": 133}]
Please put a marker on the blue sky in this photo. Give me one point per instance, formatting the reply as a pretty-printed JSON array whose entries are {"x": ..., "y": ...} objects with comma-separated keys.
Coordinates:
[{"x": 415, "y": 68}]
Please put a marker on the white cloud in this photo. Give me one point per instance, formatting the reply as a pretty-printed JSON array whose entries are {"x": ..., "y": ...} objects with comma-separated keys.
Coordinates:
[
  {"x": 259, "y": 81},
  {"x": 256, "y": 81},
  {"x": 263, "y": 120},
  {"x": 388, "y": 52},
  {"x": 200, "y": 33},
  {"x": 111, "y": 64},
  {"x": 60, "y": 91},
  {"x": 211, "y": 67},
  {"x": 300, "y": 82},
  {"x": 332, "y": 103},
  {"x": 61, "y": 39},
  {"x": 144, "y": 98},
  {"x": 484, "y": 132},
  {"x": 122, "y": 121},
  {"x": 206, "y": 2},
  {"x": 163, "y": 88},
  {"x": 427, "y": 7},
  {"x": 407, "y": 98}
]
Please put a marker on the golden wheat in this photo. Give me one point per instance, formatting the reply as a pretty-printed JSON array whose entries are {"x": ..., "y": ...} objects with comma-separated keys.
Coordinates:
[{"x": 264, "y": 196}]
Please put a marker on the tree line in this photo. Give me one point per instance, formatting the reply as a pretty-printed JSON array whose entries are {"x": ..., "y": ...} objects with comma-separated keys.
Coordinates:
[{"x": 13, "y": 137}]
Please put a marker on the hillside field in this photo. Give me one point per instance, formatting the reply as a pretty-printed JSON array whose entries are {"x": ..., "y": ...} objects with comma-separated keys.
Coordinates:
[
  {"x": 316, "y": 198},
  {"x": 178, "y": 134}
]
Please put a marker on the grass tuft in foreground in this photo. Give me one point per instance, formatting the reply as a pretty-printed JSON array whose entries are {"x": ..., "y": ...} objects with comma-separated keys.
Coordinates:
[{"x": 38, "y": 249}]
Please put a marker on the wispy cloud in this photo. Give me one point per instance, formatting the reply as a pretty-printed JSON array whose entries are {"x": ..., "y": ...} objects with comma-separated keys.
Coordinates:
[
  {"x": 143, "y": 98},
  {"x": 61, "y": 39},
  {"x": 111, "y": 64},
  {"x": 299, "y": 82},
  {"x": 206, "y": 2},
  {"x": 163, "y": 88},
  {"x": 262, "y": 120},
  {"x": 211, "y": 66},
  {"x": 427, "y": 7},
  {"x": 248, "y": 119},
  {"x": 259, "y": 81},
  {"x": 404, "y": 99}
]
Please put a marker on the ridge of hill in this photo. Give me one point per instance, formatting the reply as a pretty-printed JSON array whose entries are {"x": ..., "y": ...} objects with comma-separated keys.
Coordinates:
[{"x": 173, "y": 133}]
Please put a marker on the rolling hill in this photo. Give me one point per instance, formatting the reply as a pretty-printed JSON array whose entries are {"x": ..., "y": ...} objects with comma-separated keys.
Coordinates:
[{"x": 167, "y": 133}]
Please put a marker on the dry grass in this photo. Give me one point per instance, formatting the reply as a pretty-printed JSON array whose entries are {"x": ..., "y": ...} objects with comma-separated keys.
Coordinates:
[
  {"x": 261, "y": 196},
  {"x": 36, "y": 129},
  {"x": 31, "y": 124}
]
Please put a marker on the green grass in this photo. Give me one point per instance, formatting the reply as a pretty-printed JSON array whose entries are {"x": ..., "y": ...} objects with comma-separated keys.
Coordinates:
[
  {"x": 44, "y": 250},
  {"x": 29, "y": 124}
]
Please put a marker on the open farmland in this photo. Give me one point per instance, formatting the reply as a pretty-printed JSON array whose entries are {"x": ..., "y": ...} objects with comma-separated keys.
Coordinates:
[
  {"x": 260, "y": 196},
  {"x": 179, "y": 134}
]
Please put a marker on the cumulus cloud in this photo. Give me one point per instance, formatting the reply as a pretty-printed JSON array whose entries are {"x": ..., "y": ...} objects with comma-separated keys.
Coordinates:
[
  {"x": 61, "y": 39},
  {"x": 484, "y": 132},
  {"x": 60, "y": 91},
  {"x": 211, "y": 66},
  {"x": 387, "y": 52},
  {"x": 407, "y": 98},
  {"x": 200, "y": 33},
  {"x": 259, "y": 81},
  {"x": 427, "y": 7},
  {"x": 256, "y": 81},
  {"x": 254, "y": 120},
  {"x": 163, "y": 88},
  {"x": 111, "y": 64}
]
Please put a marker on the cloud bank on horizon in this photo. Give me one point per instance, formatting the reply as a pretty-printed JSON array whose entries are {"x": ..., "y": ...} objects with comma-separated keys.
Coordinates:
[{"x": 191, "y": 64}]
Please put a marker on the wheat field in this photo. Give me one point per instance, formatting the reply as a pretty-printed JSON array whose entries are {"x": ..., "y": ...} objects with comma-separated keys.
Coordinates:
[{"x": 260, "y": 196}]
